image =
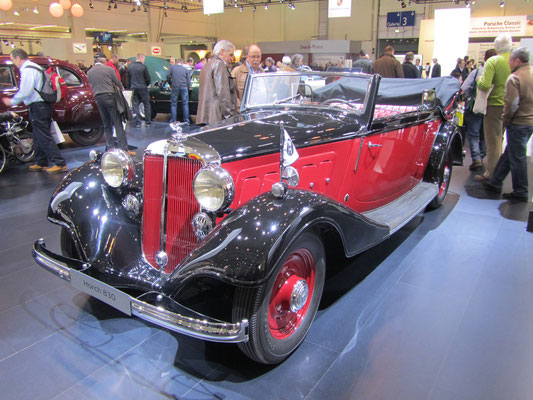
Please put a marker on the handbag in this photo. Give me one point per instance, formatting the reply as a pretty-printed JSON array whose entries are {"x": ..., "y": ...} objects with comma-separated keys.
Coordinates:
[{"x": 482, "y": 96}]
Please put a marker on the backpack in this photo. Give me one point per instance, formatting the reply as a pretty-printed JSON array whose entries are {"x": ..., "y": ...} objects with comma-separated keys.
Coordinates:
[
  {"x": 471, "y": 99},
  {"x": 54, "y": 88}
]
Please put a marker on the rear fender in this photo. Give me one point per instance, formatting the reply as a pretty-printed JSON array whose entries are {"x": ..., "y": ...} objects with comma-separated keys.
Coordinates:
[
  {"x": 245, "y": 246},
  {"x": 447, "y": 139}
]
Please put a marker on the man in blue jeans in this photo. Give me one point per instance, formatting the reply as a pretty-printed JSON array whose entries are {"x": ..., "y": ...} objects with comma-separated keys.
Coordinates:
[
  {"x": 180, "y": 82},
  {"x": 518, "y": 119}
]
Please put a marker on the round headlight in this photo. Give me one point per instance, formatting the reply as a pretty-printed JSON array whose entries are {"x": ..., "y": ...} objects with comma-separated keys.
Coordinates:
[
  {"x": 117, "y": 168},
  {"x": 213, "y": 188}
]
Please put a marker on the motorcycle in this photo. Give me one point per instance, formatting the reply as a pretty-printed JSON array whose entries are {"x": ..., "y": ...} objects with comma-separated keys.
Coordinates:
[{"x": 16, "y": 143}]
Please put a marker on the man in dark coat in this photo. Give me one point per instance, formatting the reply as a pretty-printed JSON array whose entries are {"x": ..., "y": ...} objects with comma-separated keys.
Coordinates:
[
  {"x": 217, "y": 98},
  {"x": 139, "y": 81},
  {"x": 409, "y": 69},
  {"x": 434, "y": 70},
  {"x": 103, "y": 79},
  {"x": 180, "y": 81},
  {"x": 387, "y": 66}
]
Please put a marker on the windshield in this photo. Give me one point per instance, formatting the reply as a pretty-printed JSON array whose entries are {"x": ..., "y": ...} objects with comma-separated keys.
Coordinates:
[{"x": 346, "y": 91}]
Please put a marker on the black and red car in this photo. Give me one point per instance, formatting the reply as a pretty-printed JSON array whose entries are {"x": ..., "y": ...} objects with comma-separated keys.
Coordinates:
[
  {"x": 76, "y": 115},
  {"x": 222, "y": 234}
]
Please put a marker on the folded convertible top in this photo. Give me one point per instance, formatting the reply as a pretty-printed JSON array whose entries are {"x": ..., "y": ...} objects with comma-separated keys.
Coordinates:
[{"x": 394, "y": 91}]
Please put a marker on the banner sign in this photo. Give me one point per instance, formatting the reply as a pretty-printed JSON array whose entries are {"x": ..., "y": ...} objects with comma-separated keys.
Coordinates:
[
  {"x": 493, "y": 26},
  {"x": 339, "y": 8},
  {"x": 213, "y": 7},
  {"x": 397, "y": 19}
]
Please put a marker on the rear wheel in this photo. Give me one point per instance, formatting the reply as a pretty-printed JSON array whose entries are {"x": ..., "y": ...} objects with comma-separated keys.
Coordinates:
[
  {"x": 87, "y": 137},
  {"x": 142, "y": 112},
  {"x": 445, "y": 176},
  {"x": 281, "y": 311}
]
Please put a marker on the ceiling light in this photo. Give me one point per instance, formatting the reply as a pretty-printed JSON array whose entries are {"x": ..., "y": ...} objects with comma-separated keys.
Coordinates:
[
  {"x": 502, "y": 3},
  {"x": 165, "y": 14},
  {"x": 115, "y": 5},
  {"x": 266, "y": 6},
  {"x": 255, "y": 9},
  {"x": 240, "y": 9},
  {"x": 35, "y": 10},
  {"x": 16, "y": 13},
  {"x": 91, "y": 5}
]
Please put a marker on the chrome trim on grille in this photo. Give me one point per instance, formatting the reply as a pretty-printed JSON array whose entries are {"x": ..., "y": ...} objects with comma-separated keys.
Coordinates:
[
  {"x": 191, "y": 147},
  {"x": 195, "y": 324}
]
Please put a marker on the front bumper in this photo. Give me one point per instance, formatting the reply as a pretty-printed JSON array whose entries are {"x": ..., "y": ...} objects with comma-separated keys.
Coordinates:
[{"x": 151, "y": 306}]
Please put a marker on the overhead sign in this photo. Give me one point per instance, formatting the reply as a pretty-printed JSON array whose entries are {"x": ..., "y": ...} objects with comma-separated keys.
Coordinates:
[
  {"x": 493, "y": 26},
  {"x": 213, "y": 7},
  {"x": 339, "y": 8},
  {"x": 156, "y": 50},
  {"x": 403, "y": 18}
]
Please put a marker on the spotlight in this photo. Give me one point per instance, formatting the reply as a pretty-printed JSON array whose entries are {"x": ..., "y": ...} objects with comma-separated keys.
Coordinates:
[
  {"x": 133, "y": 9},
  {"x": 16, "y": 13},
  {"x": 502, "y": 3},
  {"x": 91, "y": 5},
  {"x": 255, "y": 9},
  {"x": 403, "y": 4},
  {"x": 109, "y": 7},
  {"x": 467, "y": 4},
  {"x": 240, "y": 9},
  {"x": 145, "y": 9},
  {"x": 115, "y": 7},
  {"x": 12, "y": 45},
  {"x": 235, "y": 4},
  {"x": 165, "y": 14},
  {"x": 266, "y": 6},
  {"x": 35, "y": 10}
]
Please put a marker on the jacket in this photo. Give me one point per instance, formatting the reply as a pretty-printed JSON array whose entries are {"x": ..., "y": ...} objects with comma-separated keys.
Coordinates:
[
  {"x": 410, "y": 70},
  {"x": 240, "y": 74},
  {"x": 139, "y": 76},
  {"x": 217, "y": 98},
  {"x": 518, "y": 100},
  {"x": 388, "y": 67},
  {"x": 179, "y": 77},
  {"x": 495, "y": 73},
  {"x": 102, "y": 77},
  {"x": 122, "y": 105}
]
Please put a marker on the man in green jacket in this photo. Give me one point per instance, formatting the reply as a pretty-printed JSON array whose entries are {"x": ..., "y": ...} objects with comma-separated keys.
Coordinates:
[{"x": 495, "y": 74}]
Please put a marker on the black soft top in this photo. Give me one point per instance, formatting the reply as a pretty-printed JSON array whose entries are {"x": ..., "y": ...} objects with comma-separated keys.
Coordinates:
[{"x": 394, "y": 91}]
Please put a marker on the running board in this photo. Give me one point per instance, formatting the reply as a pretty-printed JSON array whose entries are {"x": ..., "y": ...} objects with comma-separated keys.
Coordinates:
[{"x": 401, "y": 211}]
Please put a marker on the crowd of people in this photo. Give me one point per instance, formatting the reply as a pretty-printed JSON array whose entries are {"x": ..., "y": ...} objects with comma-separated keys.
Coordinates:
[{"x": 497, "y": 95}]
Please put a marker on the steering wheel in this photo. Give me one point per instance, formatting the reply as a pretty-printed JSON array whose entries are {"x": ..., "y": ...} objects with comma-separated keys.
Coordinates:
[{"x": 336, "y": 100}]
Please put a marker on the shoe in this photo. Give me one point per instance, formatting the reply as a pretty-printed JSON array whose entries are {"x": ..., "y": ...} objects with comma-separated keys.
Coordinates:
[
  {"x": 514, "y": 196},
  {"x": 56, "y": 169},
  {"x": 36, "y": 167},
  {"x": 480, "y": 178},
  {"x": 491, "y": 188},
  {"x": 475, "y": 165},
  {"x": 131, "y": 153}
]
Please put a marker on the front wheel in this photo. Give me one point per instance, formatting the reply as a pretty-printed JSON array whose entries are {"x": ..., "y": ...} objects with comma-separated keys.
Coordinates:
[
  {"x": 281, "y": 311},
  {"x": 23, "y": 150},
  {"x": 87, "y": 137},
  {"x": 142, "y": 111},
  {"x": 445, "y": 176}
]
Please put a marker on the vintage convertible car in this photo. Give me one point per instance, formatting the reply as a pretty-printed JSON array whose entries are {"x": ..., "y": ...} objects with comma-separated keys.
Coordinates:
[
  {"x": 223, "y": 234},
  {"x": 76, "y": 115}
]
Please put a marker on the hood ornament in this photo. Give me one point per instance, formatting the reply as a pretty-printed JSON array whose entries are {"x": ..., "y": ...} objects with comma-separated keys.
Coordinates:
[{"x": 175, "y": 144}]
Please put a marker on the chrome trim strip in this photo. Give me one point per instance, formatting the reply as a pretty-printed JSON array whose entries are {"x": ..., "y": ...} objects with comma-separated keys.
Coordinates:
[
  {"x": 162, "y": 229},
  {"x": 359, "y": 153},
  {"x": 199, "y": 326}
]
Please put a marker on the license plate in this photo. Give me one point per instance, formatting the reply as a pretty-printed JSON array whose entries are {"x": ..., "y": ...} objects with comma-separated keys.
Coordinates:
[{"x": 108, "y": 294}]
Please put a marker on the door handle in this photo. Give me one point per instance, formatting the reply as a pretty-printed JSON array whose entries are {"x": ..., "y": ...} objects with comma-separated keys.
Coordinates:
[{"x": 370, "y": 145}]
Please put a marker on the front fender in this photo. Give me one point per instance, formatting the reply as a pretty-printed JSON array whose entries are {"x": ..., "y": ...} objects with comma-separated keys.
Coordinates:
[
  {"x": 104, "y": 235},
  {"x": 243, "y": 249}
]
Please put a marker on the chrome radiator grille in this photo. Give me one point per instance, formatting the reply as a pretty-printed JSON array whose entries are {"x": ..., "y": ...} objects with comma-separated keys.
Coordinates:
[{"x": 180, "y": 207}]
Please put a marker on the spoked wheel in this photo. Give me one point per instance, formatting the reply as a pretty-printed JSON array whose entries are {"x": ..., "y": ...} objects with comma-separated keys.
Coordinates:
[
  {"x": 3, "y": 159},
  {"x": 445, "y": 176},
  {"x": 142, "y": 111},
  {"x": 281, "y": 311},
  {"x": 24, "y": 150}
]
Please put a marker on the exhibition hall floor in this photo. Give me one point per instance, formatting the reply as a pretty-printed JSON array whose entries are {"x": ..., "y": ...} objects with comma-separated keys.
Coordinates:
[{"x": 442, "y": 310}]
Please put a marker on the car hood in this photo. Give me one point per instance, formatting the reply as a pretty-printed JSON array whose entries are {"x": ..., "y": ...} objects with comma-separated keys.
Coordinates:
[{"x": 258, "y": 133}]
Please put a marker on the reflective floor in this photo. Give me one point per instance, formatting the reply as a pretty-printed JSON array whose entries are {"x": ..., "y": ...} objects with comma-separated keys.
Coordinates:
[{"x": 442, "y": 310}]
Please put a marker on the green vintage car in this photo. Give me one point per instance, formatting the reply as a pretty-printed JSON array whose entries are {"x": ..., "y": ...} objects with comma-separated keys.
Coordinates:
[{"x": 159, "y": 89}]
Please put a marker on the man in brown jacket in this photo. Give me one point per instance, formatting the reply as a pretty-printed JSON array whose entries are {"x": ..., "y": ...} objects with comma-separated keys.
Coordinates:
[
  {"x": 387, "y": 66},
  {"x": 518, "y": 119},
  {"x": 252, "y": 65},
  {"x": 217, "y": 98}
]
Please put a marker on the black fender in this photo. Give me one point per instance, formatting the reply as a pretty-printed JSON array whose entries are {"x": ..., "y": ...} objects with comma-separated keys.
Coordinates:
[
  {"x": 448, "y": 138},
  {"x": 245, "y": 246},
  {"x": 104, "y": 235}
]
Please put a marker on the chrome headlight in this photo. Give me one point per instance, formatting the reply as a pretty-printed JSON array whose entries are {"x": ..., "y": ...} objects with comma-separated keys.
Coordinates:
[
  {"x": 117, "y": 168},
  {"x": 213, "y": 188}
]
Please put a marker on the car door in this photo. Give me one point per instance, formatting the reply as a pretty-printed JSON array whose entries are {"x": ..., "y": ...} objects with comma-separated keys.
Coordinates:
[
  {"x": 388, "y": 162},
  {"x": 9, "y": 85}
]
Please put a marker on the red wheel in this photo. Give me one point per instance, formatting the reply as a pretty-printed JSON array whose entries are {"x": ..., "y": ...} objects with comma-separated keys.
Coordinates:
[
  {"x": 281, "y": 311},
  {"x": 291, "y": 294}
]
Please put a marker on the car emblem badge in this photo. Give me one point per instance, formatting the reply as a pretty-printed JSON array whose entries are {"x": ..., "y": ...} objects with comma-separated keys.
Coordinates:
[{"x": 202, "y": 225}]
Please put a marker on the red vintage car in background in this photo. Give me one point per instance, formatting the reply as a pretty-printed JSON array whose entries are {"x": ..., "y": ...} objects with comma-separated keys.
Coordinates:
[{"x": 76, "y": 115}]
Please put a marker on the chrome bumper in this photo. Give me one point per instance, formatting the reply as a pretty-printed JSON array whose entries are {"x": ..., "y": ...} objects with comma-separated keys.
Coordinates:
[{"x": 185, "y": 320}]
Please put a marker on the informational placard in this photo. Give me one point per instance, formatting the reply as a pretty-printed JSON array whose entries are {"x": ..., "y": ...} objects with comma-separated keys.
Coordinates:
[
  {"x": 213, "y": 7},
  {"x": 398, "y": 19},
  {"x": 339, "y": 8},
  {"x": 493, "y": 26},
  {"x": 79, "y": 48}
]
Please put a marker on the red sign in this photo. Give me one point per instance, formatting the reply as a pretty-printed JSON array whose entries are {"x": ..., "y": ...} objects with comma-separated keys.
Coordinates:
[{"x": 156, "y": 50}]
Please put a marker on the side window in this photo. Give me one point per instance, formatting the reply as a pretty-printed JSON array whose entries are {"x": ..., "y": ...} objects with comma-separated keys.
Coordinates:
[
  {"x": 71, "y": 79},
  {"x": 6, "y": 78}
]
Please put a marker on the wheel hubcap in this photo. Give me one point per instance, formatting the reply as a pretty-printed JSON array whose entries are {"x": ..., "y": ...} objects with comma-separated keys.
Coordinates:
[
  {"x": 291, "y": 294},
  {"x": 445, "y": 180}
]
